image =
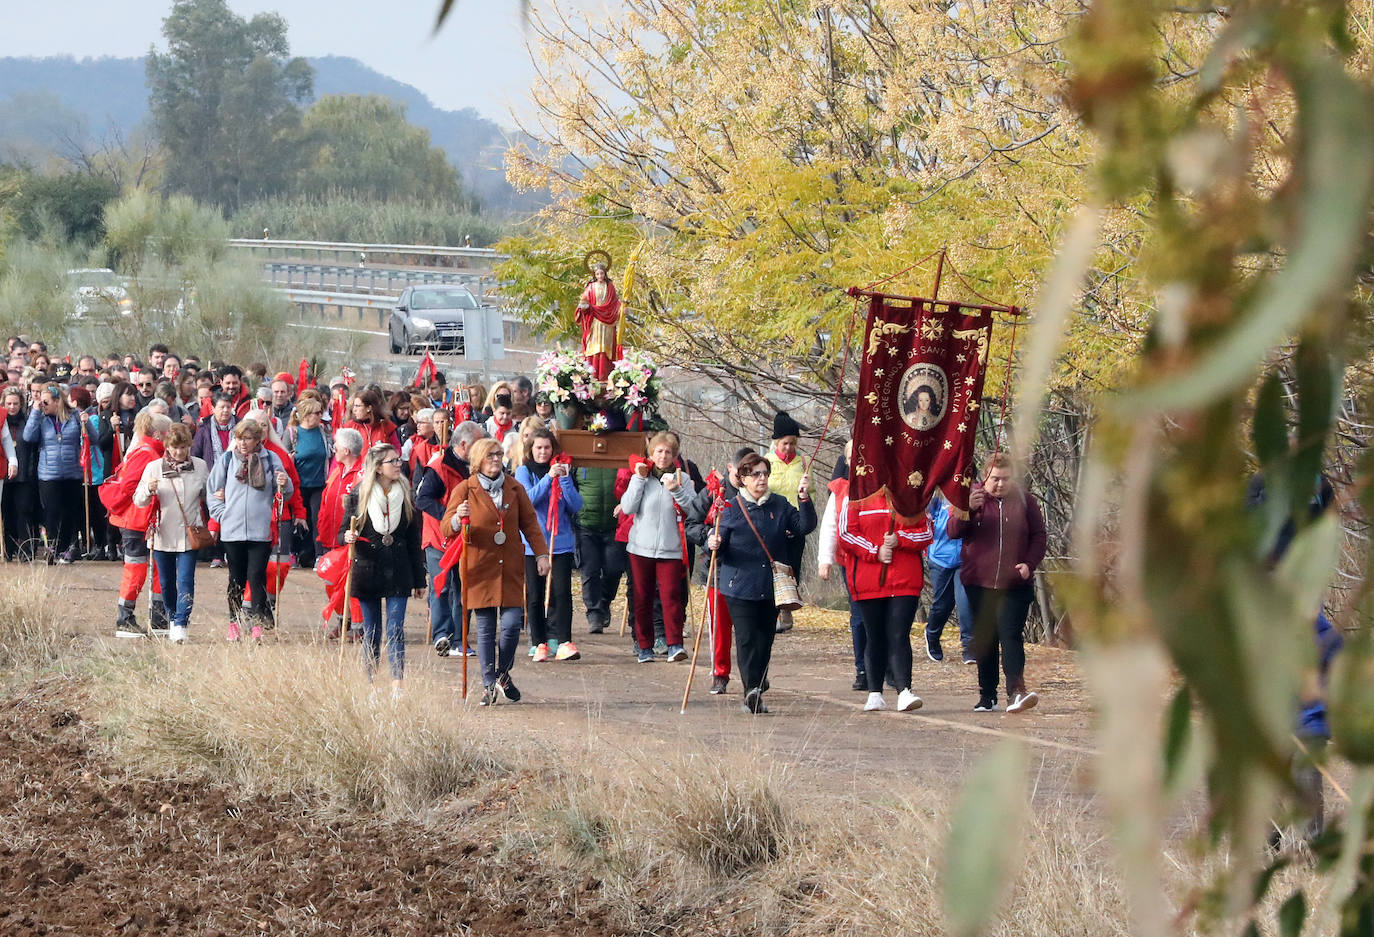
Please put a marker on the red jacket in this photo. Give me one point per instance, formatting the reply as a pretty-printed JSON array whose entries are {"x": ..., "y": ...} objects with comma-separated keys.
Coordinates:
[
  {"x": 624, "y": 522},
  {"x": 433, "y": 535},
  {"x": 374, "y": 433},
  {"x": 117, "y": 494},
  {"x": 1003, "y": 532},
  {"x": 338, "y": 486},
  {"x": 860, "y": 533}
]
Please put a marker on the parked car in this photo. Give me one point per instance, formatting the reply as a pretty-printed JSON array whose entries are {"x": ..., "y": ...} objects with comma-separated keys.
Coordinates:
[
  {"x": 97, "y": 292},
  {"x": 430, "y": 317}
]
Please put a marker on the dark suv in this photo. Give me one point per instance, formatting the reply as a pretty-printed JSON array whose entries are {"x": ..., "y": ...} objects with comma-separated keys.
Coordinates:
[{"x": 429, "y": 317}]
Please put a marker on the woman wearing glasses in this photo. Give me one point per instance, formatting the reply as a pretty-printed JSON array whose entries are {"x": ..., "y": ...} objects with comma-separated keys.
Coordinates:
[
  {"x": 491, "y": 511},
  {"x": 388, "y": 562},
  {"x": 755, "y": 531},
  {"x": 56, "y": 429}
]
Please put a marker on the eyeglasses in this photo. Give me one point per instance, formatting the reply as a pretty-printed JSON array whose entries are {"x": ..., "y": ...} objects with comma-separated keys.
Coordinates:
[
  {"x": 759, "y": 474},
  {"x": 391, "y": 461}
]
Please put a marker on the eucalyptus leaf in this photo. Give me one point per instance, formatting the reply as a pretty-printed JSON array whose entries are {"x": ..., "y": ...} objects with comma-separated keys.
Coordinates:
[
  {"x": 982, "y": 839},
  {"x": 1336, "y": 134},
  {"x": 1178, "y": 730},
  {"x": 1292, "y": 914}
]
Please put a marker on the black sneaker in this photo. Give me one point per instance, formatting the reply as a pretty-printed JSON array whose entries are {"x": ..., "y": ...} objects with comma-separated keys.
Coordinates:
[
  {"x": 933, "y": 649},
  {"x": 753, "y": 702},
  {"x": 441, "y": 647},
  {"x": 986, "y": 704},
  {"x": 489, "y": 696},
  {"x": 112, "y": 553},
  {"x": 860, "y": 682},
  {"x": 595, "y": 626},
  {"x": 718, "y": 685},
  {"x": 506, "y": 686}
]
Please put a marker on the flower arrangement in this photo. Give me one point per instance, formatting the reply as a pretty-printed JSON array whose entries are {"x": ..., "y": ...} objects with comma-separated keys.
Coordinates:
[
  {"x": 633, "y": 384},
  {"x": 599, "y": 423},
  {"x": 566, "y": 378}
]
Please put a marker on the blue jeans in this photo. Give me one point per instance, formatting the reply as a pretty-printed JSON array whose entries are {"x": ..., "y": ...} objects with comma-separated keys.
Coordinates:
[
  {"x": 395, "y": 634},
  {"x": 496, "y": 653},
  {"x": 444, "y": 609},
  {"x": 857, "y": 636},
  {"x": 947, "y": 592},
  {"x": 177, "y": 571}
]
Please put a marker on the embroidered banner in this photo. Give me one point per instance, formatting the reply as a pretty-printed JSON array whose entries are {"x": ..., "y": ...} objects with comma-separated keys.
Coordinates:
[{"x": 920, "y": 387}]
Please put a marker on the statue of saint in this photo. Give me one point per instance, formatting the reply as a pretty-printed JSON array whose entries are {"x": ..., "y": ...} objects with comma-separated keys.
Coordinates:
[{"x": 598, "y": 314}]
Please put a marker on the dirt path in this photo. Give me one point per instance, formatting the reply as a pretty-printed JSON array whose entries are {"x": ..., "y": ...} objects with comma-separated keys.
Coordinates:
[{"x": 608, "y": 699}]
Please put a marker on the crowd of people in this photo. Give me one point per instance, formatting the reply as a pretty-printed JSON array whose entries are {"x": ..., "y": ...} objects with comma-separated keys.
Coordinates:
[{"x": 462, "y": 496}]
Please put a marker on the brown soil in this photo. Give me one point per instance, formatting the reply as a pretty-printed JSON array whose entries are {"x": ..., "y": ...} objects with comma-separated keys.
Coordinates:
[{"x": 86, "y": 847}]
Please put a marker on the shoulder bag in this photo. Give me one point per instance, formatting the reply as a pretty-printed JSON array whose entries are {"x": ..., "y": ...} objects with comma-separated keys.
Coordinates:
[
  {"x": 786, "y": 594},
  {"x": 198, "y": 536}
]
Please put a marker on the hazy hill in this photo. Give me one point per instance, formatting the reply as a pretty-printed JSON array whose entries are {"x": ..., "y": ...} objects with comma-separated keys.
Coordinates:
[{"x": 50, "y": 105}]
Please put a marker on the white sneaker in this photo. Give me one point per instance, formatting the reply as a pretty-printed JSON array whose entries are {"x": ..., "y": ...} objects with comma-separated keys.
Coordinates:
[
  {"x": 907, "y": 701},
  {"x": 1022, "y": 702},
  {"x": 875, "y": 703},
  {"x": 177, "y": 634}
]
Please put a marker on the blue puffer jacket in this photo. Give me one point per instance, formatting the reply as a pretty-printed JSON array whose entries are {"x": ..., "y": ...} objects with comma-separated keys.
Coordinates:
[
  {"x": 944, "y": 550},
  {"x": 570, "y": 502},
  {"x": 59, "y": 445},
  {"x": 743, "y": 565}
]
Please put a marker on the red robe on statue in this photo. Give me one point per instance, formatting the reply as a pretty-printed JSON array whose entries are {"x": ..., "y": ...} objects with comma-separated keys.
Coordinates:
[{"x": 598, "y": 313}]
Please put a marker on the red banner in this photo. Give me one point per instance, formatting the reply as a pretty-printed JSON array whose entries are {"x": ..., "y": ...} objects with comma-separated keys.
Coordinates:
[{"x": 920, "y": 388}]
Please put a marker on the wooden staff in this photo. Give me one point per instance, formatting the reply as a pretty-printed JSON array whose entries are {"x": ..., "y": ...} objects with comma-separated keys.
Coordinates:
[
  {"x": 711, "y": 574},
  {"x": 463, "y": 588},
  {"x": 625, "y": 616},
  {"x": 348, "y": 593}
]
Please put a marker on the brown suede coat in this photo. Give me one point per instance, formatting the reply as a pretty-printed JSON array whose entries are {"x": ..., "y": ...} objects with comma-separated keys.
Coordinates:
[{"x": 494, "y": 576}]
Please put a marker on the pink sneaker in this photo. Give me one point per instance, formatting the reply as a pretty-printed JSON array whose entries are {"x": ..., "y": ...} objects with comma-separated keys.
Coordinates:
[
  {"x": 256, "y": 633},
  {"x": 234, "y": 633},
  {"x": 541, "y": 653}
]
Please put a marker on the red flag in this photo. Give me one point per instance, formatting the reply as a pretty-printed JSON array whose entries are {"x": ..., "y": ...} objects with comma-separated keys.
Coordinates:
[
  {"x": 117, "y": 453},
  {"x": 920, "y": 388},
  {"x": 302, "y": 376},
  {"x": 333, "y": 569},
  {"x": 338, "y": 410},
  {"x": 85, "y": 454},
  {"x": 452, "y": 552},
  {"x": 427, "y": 370}
]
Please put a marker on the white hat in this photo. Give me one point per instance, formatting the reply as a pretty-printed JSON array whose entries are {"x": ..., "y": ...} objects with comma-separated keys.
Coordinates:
[{"x": 104, "y": 392}]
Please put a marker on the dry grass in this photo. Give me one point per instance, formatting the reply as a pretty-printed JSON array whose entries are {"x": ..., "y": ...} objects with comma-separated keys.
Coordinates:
[
  {"x": 717, "y": 842},
  {"x": 285, "y": 719},
  {"x": 31, "y": 616}
]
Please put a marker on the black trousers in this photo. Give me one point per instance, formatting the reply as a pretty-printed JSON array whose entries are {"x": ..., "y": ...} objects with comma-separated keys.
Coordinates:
[
  {"x": 63, "y": 513},
  {"x": 755, "y": 622},
  {"x": 999, "y": 620},
  {"x": 247, "y": 562},
  {"x": 551, "y": 619},
  {"x": 308, "y": 544},
  {"x": 603, "y": 564},
  {"x": 19, "y": 502},
  {"x": 887, "y": 635}
]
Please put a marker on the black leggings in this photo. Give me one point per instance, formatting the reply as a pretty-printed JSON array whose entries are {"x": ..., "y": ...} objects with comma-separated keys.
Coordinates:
[
  {"x": 20, "y": 506},
  {"x": 63, "y": 512},
  {"x": 247, "y": 561},
  {"x": 555, "y": 620},
  {"x": 887, "y": 630}
]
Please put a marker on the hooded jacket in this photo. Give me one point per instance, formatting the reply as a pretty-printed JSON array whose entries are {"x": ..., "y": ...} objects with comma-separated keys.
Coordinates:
[{"x": 1003, "y": 532}]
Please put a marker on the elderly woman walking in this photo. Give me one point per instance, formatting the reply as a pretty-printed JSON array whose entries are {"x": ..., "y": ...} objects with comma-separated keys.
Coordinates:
[
  {"x": 244, "y": 482},
  {"x": 755, "y": 531},
  {"x": 381, "y": 521},
  {"x": 658, "y": 499},
  {"x": 491, "y": 511},
  {"x": 177, "y": 482}
]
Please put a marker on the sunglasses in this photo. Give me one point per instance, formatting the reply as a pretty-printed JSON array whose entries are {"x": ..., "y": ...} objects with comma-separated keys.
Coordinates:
[{"x": 144, "y": 385}]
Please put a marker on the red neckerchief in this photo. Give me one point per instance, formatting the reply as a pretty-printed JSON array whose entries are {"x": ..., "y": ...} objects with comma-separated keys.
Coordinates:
[
  {"x": 501, "y": 429},
  {"x": 784, "y": 459}
]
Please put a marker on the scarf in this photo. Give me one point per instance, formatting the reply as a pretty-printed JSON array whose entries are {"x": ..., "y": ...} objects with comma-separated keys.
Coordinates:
[
  {"x": 494, "y": 487},
  {"x": 386, "y": 509},
  {"x": 501, "y": 429},
  {"x": 750, "y": 498},
  {"x": 251, "y": 471},
  {"x": 176, "y": 468},
  {"x": 538, "y": 469}
]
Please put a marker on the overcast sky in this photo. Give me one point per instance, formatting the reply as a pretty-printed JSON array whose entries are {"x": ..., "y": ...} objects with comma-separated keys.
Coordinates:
[{"x": 477, "y": 60}]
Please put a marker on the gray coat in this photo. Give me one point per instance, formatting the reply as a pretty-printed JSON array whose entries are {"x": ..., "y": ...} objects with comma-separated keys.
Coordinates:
[
  {"x": 246, "y": 512},
  {"x": 654, "y": 533}
]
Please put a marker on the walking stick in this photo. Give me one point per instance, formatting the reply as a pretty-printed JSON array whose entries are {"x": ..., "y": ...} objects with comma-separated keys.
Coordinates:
[
  {"x": 276, "y": 574},
  {"x": 463, "y": 589},
  {"x": 86, "y": 497},
  {"x": 625, "y": 616},
  {"x": 348, "y": 593},
  {"x": 696, "y": 641}
]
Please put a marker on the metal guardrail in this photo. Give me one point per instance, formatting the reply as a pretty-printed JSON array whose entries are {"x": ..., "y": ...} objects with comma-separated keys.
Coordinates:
[
  {"x": 337, "y": 298},
  {"x": 370, "y": 279},
  {"x": 409, "y": 250}
]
